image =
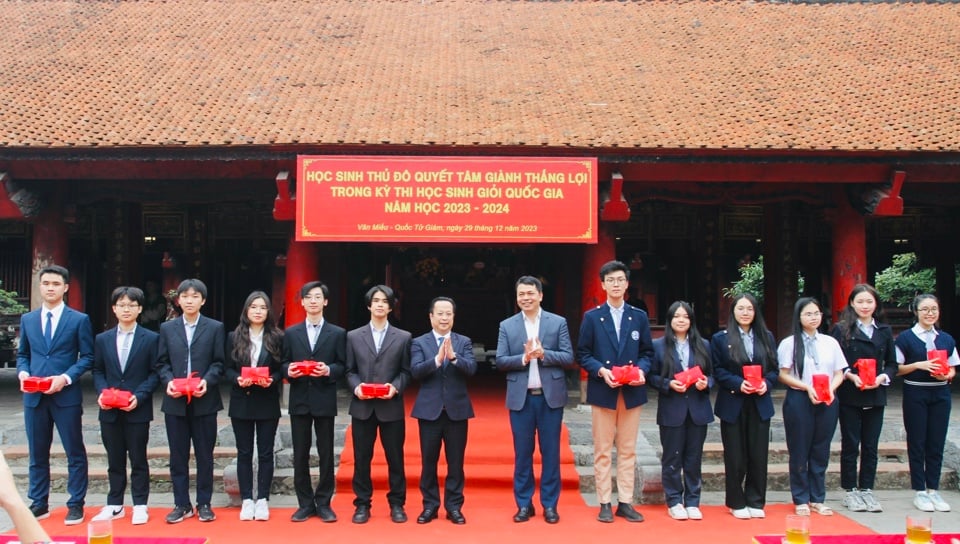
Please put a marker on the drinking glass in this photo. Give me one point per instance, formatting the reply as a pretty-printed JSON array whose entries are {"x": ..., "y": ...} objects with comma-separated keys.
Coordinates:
[
  {"x": 798, "y": 530},
  {"x": 100, "y": 531},
  {"x": 919, "y": 529}
]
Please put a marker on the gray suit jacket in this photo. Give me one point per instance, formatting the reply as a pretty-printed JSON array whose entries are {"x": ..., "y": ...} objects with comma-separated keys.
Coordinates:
[
  {"x": 557, "y": 354},
  {"x": 390, "y": 365}
]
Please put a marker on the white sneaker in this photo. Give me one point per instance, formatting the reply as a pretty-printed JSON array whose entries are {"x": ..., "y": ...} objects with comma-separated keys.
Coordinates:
[
  {"x": 678, "y": 512},
  {"x": 939, "y": 504},
  {"x": 694, "y": 512},
  {"x": 854, "y": 502},
  {"x": 923, "y": 503},
  {"x": 261, "y": 511},
  {"x": 246, "y": 510},
  {"x": 140, "y": 514},
  {"x": 109, "y": 512},
  {"x": 756, "y": 512},
  {"x": 871, "y": 502},
  {"x": 740, "y": 513}
]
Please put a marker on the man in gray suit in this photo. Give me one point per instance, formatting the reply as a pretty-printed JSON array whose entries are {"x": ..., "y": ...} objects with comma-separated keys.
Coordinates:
[
  {"x": 378, "y": 354},
  {"x": 533, "y": 348}
]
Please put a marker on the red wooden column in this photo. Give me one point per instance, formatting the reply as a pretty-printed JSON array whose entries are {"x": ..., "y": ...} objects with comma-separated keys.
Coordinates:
[
  {"x": 302, "y": 266},
  {"x": 849, "y": 251},
  {"x": 594, "y": 256},
  {"x": 51, "y": 246}
]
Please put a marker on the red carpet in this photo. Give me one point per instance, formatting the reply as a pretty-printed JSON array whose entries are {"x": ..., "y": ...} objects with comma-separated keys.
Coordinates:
[{"x": 489, "y": 505}]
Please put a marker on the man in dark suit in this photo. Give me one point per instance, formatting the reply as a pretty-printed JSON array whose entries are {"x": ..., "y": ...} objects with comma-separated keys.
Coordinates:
[
  {"x": 533, "y": 348},
  {"x": 442, "y": 360},
  {"x": 191, "y": 344},
  {"x": 55, "y": 342},
  {"x": 615, "y": 334},
  {"x": 378, "y": 354},
  {"x": 124, "y": 358},
  {"x": 313, "y": 399}
]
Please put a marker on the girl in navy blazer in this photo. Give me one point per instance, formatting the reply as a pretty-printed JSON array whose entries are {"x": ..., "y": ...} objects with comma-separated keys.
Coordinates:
[
  {"x": 255, "y": 402},
  {"x": 926, "y": 400},
  {"x": 744, "y": 409},
  {"x": 683, "y": 411}
]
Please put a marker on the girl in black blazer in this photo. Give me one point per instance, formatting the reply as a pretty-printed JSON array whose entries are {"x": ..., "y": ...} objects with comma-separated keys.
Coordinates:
[
  {"x": 683, "y": 411},
  {"x": 255, "y": 402}
]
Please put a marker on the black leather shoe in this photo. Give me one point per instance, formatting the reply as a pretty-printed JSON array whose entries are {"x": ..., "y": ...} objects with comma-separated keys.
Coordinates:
[
  {"x": 302, "y": 514},
  {"x": 428, "y": 515},
  {"x": 524, "y": 514},
  {"x": 40, "y": 511},
  {"x": 361, "y": 514},
  {"x": 550, "y": 515},
  {"x": 456, "y": 517},
  {"x": 180, "y": 513},
  {"x": 205, "y": 513},
  {"x": 606, "y": 513},
  {"x": 626, "y": 511},
  {"x": 326, "y": 514},
  {"x": 397, "y": 515}
]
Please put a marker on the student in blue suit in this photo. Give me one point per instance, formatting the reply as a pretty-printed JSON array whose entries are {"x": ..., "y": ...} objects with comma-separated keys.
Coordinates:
[
  {"x": 55, "y": 341},
  {"x": 124, "y": 358},
  {"x": 443, "y": 361},
  {"x": 683, "y": 411},
  {"x": 611, "y": 335},
  {"x": 744, "y": 410}
]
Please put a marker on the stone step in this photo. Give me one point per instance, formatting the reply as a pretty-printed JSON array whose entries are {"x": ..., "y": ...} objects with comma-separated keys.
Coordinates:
[
  {"x": 887, "y": 451},
  {"x": 158, "y": 457}
]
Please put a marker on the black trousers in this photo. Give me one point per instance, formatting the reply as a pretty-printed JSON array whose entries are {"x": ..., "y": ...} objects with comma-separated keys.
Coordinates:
[
  {"x": 122, "y": 439},
  {"x": 392, "y": 435},
  {"x": 181, "y": 431},
  {"x": 926, "y": 416},
  {"x": 264, "y": 431},
  {"x": 746, "y": 445},
  {"x": 860, "y": 428},
  {"x": 453, "y": 436},
  {"x": 302, "y": 429},
  {"x": 681, "y": 462}
]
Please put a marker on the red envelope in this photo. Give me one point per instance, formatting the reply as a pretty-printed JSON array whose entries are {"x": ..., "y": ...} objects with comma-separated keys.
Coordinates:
[
  {"x": 626, "y": 373},
  {"x": 187, "y": 386},
  {"x": 689, "y": 376},
  {"x": 116, "y": 398},
  {"x": 753, "y": 374},
  {"x": 305, "y": 367},
  {"x": 375, "y": 389},
  {"x": 821, "y": 385},
  {"x": 867, "y": 370},
  {"x": 255, "y": 372},
  {"x": 940, "y": 355},
  {"x": 36, "y": 384}
]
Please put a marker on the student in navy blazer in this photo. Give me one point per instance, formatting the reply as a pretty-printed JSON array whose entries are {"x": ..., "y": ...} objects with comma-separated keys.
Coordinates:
[
  {"x": 64, "y": 355},
  {"x": 611, "y": 335},
  {"x": 744, "y": 411},
  {"x": 443, "y": 361},
  {"x": 195, "y": 421},
  {"x": 124, "y": 358},
  {"x": 683, "y": 411}
]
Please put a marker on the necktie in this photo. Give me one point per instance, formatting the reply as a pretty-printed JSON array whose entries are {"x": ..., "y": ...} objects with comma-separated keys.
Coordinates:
[
  {"x": 748, "y": 345},
  {"x": 617, "y": 314},
  {"x": 682, "y": 356},
  {"x": 378, "y": 339},
  {"x": 440, "y": 341},
  {"x": 930, "y": 339},
  {"x": 48, "y": 332},
  {"x": 125, "y": 351},
  {"x": 810, "y": 347},
  {"x": 314, "y": 331}
]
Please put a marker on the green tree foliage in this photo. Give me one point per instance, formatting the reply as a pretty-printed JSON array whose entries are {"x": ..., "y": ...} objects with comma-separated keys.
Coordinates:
[
  {"x": 903, "y": 280},
  {"x": 9, "y": 303},
  {"x": 751, "y": 281}
]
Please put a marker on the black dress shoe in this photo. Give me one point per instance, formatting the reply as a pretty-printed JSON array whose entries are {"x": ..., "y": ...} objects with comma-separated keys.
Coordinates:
[
  {"x": 550, "y": 515},
  {"x": 361, "y": 514},
  {"x": 626, "y": 511},
  {"x": 456, "y": 517},
  {"x": 524, "y": 514},
  {"x": 428, "y": 515},
  {"x": 326, "y": 514},
  {"x": 606, "y": 513},
  {"x": 303, "y": 514},
  {"x": 397, "y": 515}
]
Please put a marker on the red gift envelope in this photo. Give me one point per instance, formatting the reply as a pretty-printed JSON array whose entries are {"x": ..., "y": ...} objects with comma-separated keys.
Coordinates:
[
  {"x": 187, "y": 386},
  {"x": 255, "y": 372},
  {"x": 116, "y": 398},
  {"x": 375, "y": 389},
  {"x": 626, "y": 373},
  {"x": 939, "y": 355},
  {"x": 689, "y": 376},
  {"x": 305, "y": 367},
  {"x": 36, "y": 384},
  {"x": 821, "y": 386},
  {"x": 867, "y": 370},
  {"x": 753, "y": 374}
]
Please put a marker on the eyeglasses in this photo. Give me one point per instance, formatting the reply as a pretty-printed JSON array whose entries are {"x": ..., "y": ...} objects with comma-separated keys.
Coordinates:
[
  {"x": 811, "y": 315},
  {"x": 933, "y": 310},
  {"x": 615, "y": 281},
  {"x": 126, "y": 306}
]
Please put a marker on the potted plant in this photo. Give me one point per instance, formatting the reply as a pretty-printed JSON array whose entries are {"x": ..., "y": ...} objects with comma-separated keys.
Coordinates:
[{"x": 10, "y": 311}]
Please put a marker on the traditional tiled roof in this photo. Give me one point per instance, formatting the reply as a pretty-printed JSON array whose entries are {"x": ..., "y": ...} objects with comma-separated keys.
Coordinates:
[{"x": 844, "y": 76}]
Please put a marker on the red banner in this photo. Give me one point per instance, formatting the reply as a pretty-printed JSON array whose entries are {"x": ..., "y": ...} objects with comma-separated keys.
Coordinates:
[{"x": 446, "y": 199}]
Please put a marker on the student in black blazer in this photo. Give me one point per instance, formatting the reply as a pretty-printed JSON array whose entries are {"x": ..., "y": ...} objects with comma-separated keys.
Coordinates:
[
  {"x": 124, "y": 358},
  {"x": 313, "y": 400},
  {"x": 683, "y": 411},
  {"x": 255, "y": 403},
  {"x": 442, "y": 360},
  {"x": 191, "y": 344}
]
